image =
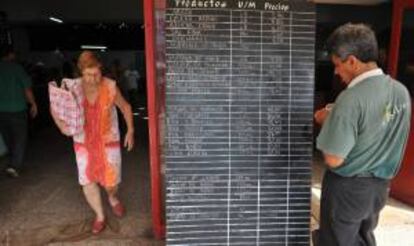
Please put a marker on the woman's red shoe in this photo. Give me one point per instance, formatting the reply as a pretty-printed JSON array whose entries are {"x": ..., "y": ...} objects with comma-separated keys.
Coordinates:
[
  {"x": 98, "y": 226},
  {"x": 118, "y": 210}
]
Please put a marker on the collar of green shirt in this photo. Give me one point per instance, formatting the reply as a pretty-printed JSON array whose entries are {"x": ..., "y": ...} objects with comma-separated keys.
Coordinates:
[{"x": 361, "y": 77}]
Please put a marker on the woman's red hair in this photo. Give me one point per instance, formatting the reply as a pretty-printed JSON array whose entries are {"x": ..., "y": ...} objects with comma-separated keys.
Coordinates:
[{"x": 88, "y": 59}]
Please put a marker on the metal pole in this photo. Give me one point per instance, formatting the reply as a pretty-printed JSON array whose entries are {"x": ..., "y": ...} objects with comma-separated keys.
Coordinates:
[
  {"x": 152, "y": 104},
  {"x": 397, "y": 15}
]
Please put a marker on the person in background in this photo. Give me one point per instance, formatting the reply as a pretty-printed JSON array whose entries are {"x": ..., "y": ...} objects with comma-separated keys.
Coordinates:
[
  {"x": 15, "y": 93},
  {"x": 116, "y": 72},
  {"x": 362, "y": 139},
  {"x": 132, "y": 78},
  {"x": 97, "y": 147}
]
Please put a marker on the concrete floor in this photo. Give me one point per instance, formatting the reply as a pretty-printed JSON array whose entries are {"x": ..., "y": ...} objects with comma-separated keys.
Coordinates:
[{"x": 45, "y": 206}]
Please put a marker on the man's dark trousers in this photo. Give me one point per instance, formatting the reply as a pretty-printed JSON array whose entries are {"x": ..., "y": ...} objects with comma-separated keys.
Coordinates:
[
  {"x": 350, "y": 208},
  {"x": 13, "y": 128}
]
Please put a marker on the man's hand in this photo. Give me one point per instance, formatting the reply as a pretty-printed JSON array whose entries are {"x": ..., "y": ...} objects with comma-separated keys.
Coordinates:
[
  {"x": 321, "y": 114},
  {"x": 33, "y": 110}
]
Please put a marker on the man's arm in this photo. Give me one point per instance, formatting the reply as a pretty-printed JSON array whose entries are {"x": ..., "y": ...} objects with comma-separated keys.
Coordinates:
[
  {"x": 333, "y": 161},
  {"x": 31, "y": 100}
]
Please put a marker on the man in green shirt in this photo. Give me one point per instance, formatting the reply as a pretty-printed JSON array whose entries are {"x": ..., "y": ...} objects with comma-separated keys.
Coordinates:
[
  {"x": 363, "y": 138},
  {"x": 15, "y": 93}
]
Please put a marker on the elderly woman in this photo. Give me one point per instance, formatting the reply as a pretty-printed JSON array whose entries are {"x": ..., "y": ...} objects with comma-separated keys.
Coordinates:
[{"x": 97, "y": 147}]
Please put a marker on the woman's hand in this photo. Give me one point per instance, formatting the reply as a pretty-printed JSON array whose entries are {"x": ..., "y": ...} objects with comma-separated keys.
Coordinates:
[
  {"x": 129, "y": 140},
  {"x": 126, "y": 110}
]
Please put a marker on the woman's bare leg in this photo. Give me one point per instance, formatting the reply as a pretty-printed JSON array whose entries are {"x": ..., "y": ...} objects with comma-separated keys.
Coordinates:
[
  {"x": 112, "y": 195},
  {"x": 93, "y": 197}
]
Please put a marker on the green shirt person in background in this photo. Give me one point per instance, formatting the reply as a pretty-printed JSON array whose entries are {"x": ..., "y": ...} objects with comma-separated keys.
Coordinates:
[
  {"x": 362, "y": 139},
  {"x": 15, "y": 93}
]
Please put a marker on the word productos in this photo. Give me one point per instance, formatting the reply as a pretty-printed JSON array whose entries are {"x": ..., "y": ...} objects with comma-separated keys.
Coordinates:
[{"x": 200, "y": 3}]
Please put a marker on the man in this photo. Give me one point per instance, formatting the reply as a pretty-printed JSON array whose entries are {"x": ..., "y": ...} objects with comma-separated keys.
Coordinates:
[
  {"x": 363, "y": 138},
  {"x": 132, "y": 77},
  {"x": 15, "y": 91}
]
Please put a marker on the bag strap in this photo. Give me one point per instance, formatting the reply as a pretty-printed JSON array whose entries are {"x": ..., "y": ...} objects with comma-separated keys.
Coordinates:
[{"x": 69, "y": 84}]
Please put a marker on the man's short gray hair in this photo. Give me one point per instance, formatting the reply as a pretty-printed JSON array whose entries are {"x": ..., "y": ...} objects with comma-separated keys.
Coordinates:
[{"x": 354, "y": 39}]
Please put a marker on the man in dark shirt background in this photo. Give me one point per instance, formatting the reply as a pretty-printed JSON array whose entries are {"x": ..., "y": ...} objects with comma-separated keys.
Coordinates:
[{"x": 15, "y": 93}]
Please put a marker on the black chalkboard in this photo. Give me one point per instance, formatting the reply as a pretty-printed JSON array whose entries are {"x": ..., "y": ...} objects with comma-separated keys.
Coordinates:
[{"x": 238, "y": 121}]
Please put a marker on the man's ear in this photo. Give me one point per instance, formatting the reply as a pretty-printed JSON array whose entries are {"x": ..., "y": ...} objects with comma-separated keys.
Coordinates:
[{"x": 353, "y": 61}]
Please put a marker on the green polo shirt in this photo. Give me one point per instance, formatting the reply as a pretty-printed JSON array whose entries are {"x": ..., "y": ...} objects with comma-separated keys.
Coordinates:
[
  {"x": 13, "y": 81},
  {"x": 368, "y": 127}
]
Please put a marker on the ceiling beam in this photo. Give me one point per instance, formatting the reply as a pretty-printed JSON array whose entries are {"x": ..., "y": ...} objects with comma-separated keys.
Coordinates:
[{"x": 350, "y": 2}]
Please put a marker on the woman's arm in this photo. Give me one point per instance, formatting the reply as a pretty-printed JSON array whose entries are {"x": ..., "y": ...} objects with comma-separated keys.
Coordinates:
[{"x": 126, "y": 110}]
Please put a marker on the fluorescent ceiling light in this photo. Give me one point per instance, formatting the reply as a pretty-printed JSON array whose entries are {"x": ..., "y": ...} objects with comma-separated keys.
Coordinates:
[
  {"x": 54, "y": 19},
  {"x": 93, "y": 47}
]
